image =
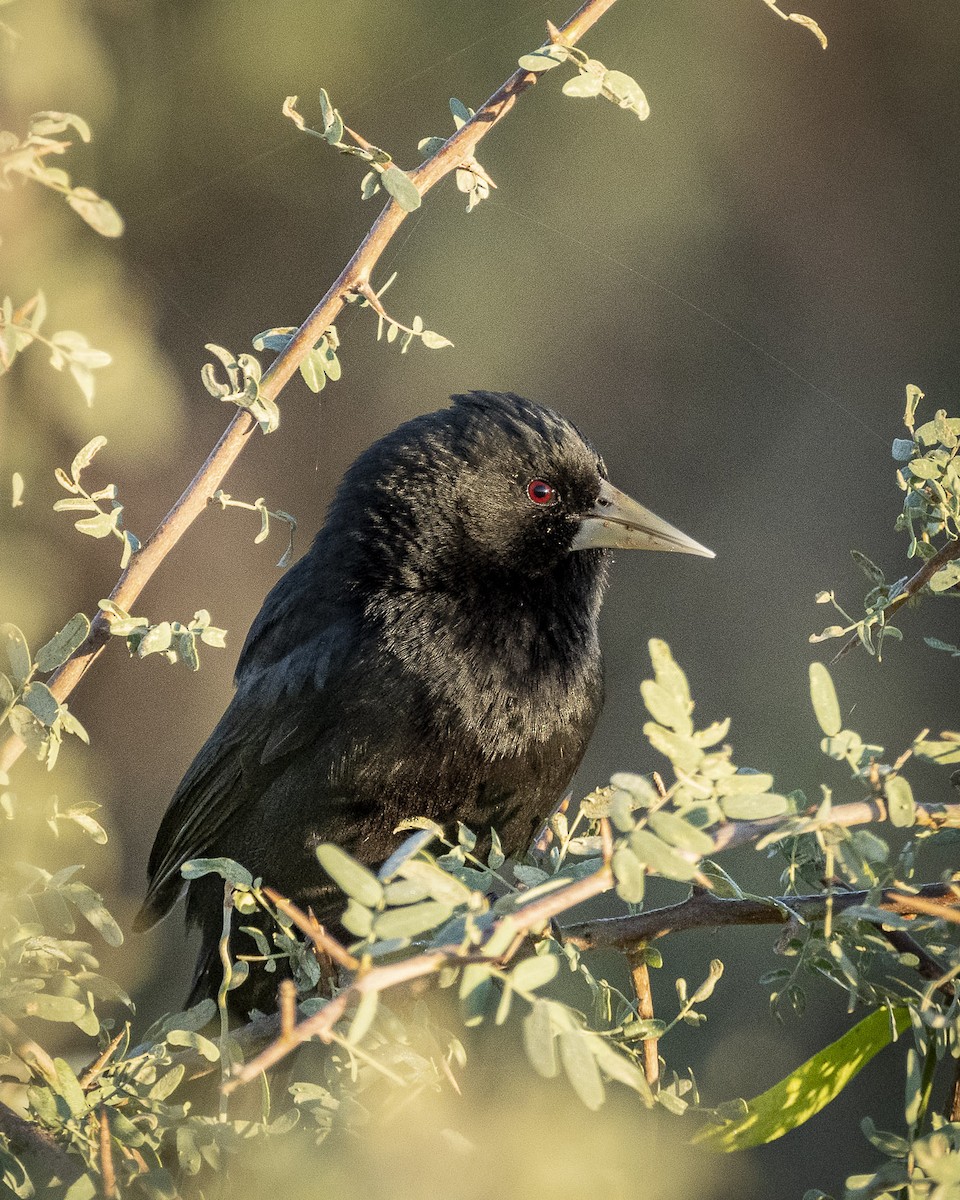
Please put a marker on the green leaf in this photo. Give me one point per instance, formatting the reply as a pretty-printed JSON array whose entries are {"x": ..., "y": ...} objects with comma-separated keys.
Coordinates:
[
  {"x": 576, "y": 1054},
  {"x": 98, "y": 213},
  {"x": 433, "y": 340},
  {"x": 900, "y": 802},
  {"x": 630, "y": 875},
  {"x": 868, "y": 567},
  {"x": 679, "y": 832},
  {"x": 743, "y": 783},
  {"x": 626, "y": 92},
  {"x": 459, "y": 111},
  {"x": 156, "y": 640},
  {"x": 56, "y": 652},
  {"x": 363, "y": 1017},
  {"x": 18, "y": 653},
  {"x": 823, "y": 696},
  {"x": 438, "y": 884},
  {"x": 402, "y": 188},
  {"x": 226, "y": 868},
  {"x": 85, "y": 456},
  {"x": 624, "y": 1070},
  {"x": 808, "y": 1089},
  {"x": 903, "y": 449},
  {"x": 100, "y": 526},
  {"x": 91, "y": 905},
  {"x": 312, "y": 372},
  {"x": 583, "y": 85},
  {"x": 535, "y": 972},
  {"x": 925, "y": 468},
  {"x": 476, "y": 987},
  {"x": 754, "y": 808},
  {"x": 410, "y": 920},
  {"x": 538, "y": 1039},
  {"x": 350, "y": 876},
  {"x": 544, "y": 59},
  {"x": 194, "y": 1041},
  {"x": 69, "y": 1088},
  {"x": 47, "y": 1006},
  {"x": 682, "y": 751},
  {"x": 83, "y": 1188},
  {"x": 946, "y": 577},
  {"x": 42, "y": 703},
  {"x": 659, "y": 857},
  {"x": 672, "y": 679}
]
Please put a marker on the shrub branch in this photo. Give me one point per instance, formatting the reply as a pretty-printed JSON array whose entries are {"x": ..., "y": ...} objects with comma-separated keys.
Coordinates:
[{"x": 354, "y": 277}]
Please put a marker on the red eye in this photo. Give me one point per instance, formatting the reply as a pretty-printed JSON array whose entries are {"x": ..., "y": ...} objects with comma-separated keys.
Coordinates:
[{"x": 541, "y": 492}]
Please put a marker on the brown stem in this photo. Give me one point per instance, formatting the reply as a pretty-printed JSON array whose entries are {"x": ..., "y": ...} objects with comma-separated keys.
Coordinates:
[
  {"x": 44, "y": 1158},
  {"x": 29, "y": 1051},
  {"x": 198, "y": 494},
  {"x": 952, "y": 1108},
  {"x": 705, "y": 911},
  {"x": 913, "y": 585},
  {"x": 640, "y": 973},
  {"x": 320, "y": 1025},
  {"x": 107, "y": 1171},
  {"x": 308, "y": 924}
]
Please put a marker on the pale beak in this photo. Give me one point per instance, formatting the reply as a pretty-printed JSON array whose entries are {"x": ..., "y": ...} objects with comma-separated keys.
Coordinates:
[{"x": 617, "y": 522}]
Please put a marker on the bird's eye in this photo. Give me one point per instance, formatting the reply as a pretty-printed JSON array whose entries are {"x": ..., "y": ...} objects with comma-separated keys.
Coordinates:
[{"x": 542, "y": 493}]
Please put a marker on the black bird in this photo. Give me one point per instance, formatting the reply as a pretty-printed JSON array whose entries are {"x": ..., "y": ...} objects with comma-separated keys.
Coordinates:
[{"x": 434, "y": 653}]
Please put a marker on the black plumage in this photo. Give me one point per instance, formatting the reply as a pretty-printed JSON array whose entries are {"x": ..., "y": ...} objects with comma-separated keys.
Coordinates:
[{"x": 434, "y": 653}]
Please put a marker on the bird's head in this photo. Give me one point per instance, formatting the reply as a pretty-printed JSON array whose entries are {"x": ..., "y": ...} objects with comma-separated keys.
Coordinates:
[{"x": 493, "y": 487}]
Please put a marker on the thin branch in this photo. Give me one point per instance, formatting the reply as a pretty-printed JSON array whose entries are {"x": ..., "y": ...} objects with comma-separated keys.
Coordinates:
[
  {"x": 952, "y": 1108},
  {"x": 43, "y": 1156},
  {"x": 29, "y": 1051},
  {"x": 308, "y": 924},
  {"x": 320, "y": 1025},
  {"x": 701, "y": 911},
  {"x": 913, "y": 585},
  {"x": 640, "y": 974},
  {"x": 94, "y": 1071},
  {"x": 107, "y": 1171},
  {"x": 457, "y": 148},
  {"x": 705, "y": 911}
]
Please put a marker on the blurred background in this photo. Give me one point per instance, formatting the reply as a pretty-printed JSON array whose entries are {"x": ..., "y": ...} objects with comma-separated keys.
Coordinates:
[{"x": 729, "y": 299}]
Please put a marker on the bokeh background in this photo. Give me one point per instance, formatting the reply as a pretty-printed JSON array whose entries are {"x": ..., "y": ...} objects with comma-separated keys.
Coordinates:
[{"x": 729, "y": 298}]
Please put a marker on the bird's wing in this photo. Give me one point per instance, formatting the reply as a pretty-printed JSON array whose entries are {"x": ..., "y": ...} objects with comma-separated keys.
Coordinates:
[{"x": 274, "y": 711}]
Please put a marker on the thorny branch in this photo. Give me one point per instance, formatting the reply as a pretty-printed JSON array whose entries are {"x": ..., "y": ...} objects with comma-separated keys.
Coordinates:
[
  {"x": 913, "y": 585},
  {"x": 629, "y": 933},
  {"x": 704, "y": 911},
  {"x": 355, "y": 275}
]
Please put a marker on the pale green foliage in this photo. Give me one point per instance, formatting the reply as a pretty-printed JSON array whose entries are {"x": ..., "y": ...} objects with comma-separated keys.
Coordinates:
[
  {"x": 27, "y": 157},
  {"x": 27, "y": 705},
  {"x": 99, "y": 523},
  {"x": 259, "y": 506},
  {"x": 20, "y": 327},
  {"x": 175, "y": 641},
  {"x": 392, "y": 329},
  {"x": 384, "y": 172},
  {"x": 318, "y": 366},
  {"x": 930, "y": 478},
  {"x": 471, "y": 178},
  {"x": 800, "y": 19},
  {"x": 592, "y": 78},
  {"x": 242, "y": 386}
]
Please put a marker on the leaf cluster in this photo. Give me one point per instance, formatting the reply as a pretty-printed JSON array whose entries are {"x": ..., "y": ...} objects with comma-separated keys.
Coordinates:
[
  {"x": 592, "y": 78},
  {"x": 101, "y": 523},
  {"x": 20, "y": 327},
  {"x": 27, "y": 158},
  {"x": 384, "y": 172}
]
